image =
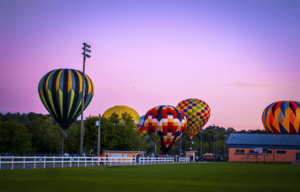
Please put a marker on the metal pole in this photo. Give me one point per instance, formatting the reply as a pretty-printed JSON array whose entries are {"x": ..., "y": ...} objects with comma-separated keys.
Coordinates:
[
  {"x": 99, "y": 130},
  {"x": 82, "y": 103},
  {"x": 155, "y": 142},
  {"x": 201, "y": 143},
  {"x": 180, "y": 146},
  {"x": 217, "y": 146},
  {"x": 62, "y": 146},
  {"x": 214, "y": 141},
  {"x": 224, "y": 146}
]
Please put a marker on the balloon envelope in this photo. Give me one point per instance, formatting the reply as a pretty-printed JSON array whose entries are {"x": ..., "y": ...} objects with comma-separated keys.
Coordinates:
[
  {"x": 142, "y": 128},
  {"x": 60, "y": 91},
  {"x": 119, "y": 109},
  {"x": 197, "y": 113},
  {"x": 282, "y": 117},
  {"x": 168, "y": 123}
]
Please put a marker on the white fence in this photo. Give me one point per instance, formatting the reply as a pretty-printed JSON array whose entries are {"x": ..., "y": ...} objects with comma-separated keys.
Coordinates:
[{"x": 52, "y": 162}]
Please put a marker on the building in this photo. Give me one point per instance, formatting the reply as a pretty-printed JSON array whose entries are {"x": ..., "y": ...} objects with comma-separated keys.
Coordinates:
[
  {"x": 113, "y": 153},
  {"x": 191, "y": 155},
  {"x": 280, "y": 148}
]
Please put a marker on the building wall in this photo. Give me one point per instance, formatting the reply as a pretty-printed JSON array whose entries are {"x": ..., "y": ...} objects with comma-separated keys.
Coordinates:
[
  {"x": 289, "y": 156},
  {"x": 190, "y": 154},
  {"x": 123, "y": 153}
]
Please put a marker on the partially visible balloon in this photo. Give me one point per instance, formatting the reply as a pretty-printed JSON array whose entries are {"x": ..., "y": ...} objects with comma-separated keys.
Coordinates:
[
  {"x": 197, "y": 113},
  {"x": 120, "y": 109},
  {"x": 142, "y": 128},
  {"x": 60, "y": 91},
  {"x": 167, "y": 122},
  {"x": 282, "y": 117}
]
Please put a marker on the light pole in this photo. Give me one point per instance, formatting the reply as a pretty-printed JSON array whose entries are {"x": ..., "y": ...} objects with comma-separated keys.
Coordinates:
[
  {"x": 63, "y": 140},
  {"x": 225, "y": 136},
  {"x": 99, "y": 130},
  {"x": 201, "y": 131},
  {"x": 217, "y": 144},
  {"x": 180, "y": 146},
  {"x": 98, "y": 123},
  {"x": 214, "y": 139},
  {"x": 85, "y": 46}
]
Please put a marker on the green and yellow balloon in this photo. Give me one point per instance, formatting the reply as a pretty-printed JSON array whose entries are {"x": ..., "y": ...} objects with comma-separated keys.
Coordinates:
[{"x": 61, "y": 92}]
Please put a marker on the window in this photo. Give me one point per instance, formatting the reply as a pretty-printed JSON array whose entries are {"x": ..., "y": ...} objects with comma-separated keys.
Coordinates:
[
  {"x": 240, "y": 151},
  {"x": 270, "y": 152},
  {"x": 251, "y": 151},
  {"x": 281, "y": 152}
]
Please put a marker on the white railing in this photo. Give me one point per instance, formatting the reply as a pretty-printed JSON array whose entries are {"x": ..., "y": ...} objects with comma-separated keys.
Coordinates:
[{"x": 44, "y": 162}]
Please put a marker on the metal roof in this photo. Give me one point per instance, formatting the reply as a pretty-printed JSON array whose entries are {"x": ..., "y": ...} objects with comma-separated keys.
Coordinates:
[{"x": 263, "y": 139}]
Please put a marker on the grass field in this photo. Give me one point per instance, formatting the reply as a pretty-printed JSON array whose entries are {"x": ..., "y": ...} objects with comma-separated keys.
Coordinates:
[{"x": 177, "y": 177}]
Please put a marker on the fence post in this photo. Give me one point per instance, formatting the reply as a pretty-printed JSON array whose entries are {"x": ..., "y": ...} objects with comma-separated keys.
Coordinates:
[
  {"x": 53, "y": 162},
  {"x": 85, "y": 161},
  {"x": 0, "y": 162},
  {"x": 71, "y": 160},
  {"x": 44, "y": 161},
  {"x": 34, "y": 164},
  {"x": 23, "y": 162},
  {"x": 78, "y": 161},
  {"x": 12, "y": 163},
  {"x": 62, "y": 162}
]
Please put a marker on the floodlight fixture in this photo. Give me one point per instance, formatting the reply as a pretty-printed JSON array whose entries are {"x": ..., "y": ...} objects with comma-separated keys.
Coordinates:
[
  {"x": 87, "y": 50},
  {"x": 86, "y": 45}
]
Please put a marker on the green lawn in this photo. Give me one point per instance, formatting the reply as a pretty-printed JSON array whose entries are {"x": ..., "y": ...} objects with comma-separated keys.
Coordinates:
[{"x": 178, "y": 177}]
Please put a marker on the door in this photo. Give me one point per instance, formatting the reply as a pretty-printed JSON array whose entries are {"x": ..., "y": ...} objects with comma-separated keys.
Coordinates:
[{"x": 297, "y": 156}]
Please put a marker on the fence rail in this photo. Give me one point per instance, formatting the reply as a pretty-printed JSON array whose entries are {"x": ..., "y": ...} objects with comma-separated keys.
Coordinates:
[{"x": 52, "y": 162}]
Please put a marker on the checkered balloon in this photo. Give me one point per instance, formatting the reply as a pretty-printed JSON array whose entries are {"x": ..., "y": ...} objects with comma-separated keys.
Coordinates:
[
  {"x": 197, "y": 113},
  {"x": 168, "y": 122}
]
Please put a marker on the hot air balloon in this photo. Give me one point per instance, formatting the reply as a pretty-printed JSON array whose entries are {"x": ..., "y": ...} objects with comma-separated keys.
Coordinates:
[
  {"x": 197, "y": 113},
  {"x": 282, "y": 117},
  {"x": 142, "y": 128},
  {"x": 60, "y": 91},
  {"x": 119, "y": 109},
  {"x": 167, "y": 122}
]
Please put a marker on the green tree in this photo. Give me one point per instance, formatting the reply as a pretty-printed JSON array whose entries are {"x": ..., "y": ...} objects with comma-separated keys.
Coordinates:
[
  {"x": 14, "y": 138},
  {"x": 46, "y": 138}
]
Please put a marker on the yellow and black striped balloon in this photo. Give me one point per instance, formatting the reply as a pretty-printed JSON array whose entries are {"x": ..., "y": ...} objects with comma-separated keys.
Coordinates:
[{"x": 60, "y": 91}]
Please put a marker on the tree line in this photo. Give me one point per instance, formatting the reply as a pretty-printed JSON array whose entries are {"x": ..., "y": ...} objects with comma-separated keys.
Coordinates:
[{"x": 32, "y": 133}]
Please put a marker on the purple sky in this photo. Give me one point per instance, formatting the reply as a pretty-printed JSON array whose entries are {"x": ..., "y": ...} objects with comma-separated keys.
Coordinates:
[{"x": 238, "y": 56}]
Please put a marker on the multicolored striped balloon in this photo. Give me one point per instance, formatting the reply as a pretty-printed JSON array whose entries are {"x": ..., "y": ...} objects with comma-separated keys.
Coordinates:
[
  {"x": 60, "y": 91},
  {"x": 282, "y": 117}
]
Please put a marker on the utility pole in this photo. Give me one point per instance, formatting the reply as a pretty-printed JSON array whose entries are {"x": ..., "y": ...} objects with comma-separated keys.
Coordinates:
[
  {"x": 99, "y": 130},
  {"x": 180, "y": 145},
  {"x": 214, "y": 139},
  {"x": 225, "y": 136},
  {"x": 155, "y": 141},
  {"x": 201, "y": 143},
  {"x": 85, "y": 46}
]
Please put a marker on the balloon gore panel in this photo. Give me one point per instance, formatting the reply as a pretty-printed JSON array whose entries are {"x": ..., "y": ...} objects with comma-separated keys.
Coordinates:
[{"x": 60, "y": 91}]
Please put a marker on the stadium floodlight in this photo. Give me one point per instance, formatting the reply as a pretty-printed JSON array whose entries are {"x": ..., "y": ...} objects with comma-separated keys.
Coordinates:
[
  {"x": 85, "y": 46},
  {"x": 87, "y": 50}
]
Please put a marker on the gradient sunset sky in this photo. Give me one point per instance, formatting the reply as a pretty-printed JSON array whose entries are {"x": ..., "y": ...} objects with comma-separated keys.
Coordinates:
[{"x": 237, "y": 56}]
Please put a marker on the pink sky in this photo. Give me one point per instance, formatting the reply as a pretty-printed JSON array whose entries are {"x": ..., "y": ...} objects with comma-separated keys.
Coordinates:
[{"x": 238, "y": 56}]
